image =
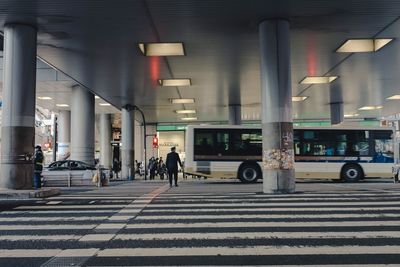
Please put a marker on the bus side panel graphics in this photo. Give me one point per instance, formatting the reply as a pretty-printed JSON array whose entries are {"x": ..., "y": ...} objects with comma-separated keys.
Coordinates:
[{"x": 204, "y": 167}]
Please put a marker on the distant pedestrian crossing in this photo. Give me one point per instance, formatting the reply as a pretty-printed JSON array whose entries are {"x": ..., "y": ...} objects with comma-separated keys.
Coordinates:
[{"x": 170, "y": 227}]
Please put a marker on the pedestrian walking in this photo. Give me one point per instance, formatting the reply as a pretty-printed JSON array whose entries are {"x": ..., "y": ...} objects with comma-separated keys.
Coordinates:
[
  {"x": 38, "y": 159},
  {"x": 152, "y": 167},
  {"x": 115, "y": 167},
  {"x": 172, "y": 166}
]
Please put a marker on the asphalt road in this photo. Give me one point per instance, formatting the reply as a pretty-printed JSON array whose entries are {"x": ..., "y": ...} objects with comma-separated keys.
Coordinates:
[{"x": 205, "y": 222}]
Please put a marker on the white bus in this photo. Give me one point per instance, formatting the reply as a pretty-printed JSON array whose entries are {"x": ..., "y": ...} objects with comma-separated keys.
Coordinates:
[{"x": 343, "y": 153}]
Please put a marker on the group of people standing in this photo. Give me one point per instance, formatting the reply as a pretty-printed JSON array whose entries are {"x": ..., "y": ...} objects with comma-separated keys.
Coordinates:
[{"x": 157, "y": 167}]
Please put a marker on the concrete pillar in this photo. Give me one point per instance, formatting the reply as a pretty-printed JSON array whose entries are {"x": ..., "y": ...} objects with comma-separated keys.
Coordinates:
[
  {"x": 82, "y": 125},
  {"x": 336, "y": 103},
  {"x": 235, "y": 114},
  {"x": 19, "y": 99},
  {"x": 64, "y": 134},
  {"x": 276, "y": 100},
  {"x": 128, "y": 143},
  {"x": 337, "y": 113},
  {"x": 105, "y": 140}
]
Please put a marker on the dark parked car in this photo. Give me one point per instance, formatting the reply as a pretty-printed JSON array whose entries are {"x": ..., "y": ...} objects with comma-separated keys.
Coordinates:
[{"x": 71, "y": 165}]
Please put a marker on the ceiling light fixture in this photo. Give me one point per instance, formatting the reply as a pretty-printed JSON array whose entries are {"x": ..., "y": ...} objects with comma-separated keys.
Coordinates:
[
  {"x": 363, "y": 45},
  {"x": 44, "y": 98},
  {"x": 370, "y": 108},
  {"x": 299, "y": 98},
  {"x": 96, "y": 97},
  {"x": 162, "y": 49},
  {"x": 185, "y": 111},
  {"x": 351, "y": 115},
  {"x": 175, "y": 82},
  {"x": 104, "y": 104},
  {"x": 189, "y": 119},
  {"x": 62, "y": 105},
  {"x": 394, "y": 97},
  {"x": 182, "y": 100},
  {"x": 318, "y": 79}
]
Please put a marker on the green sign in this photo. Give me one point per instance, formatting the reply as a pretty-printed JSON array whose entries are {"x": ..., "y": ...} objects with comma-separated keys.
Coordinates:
[{"x": 163, "y": 128}]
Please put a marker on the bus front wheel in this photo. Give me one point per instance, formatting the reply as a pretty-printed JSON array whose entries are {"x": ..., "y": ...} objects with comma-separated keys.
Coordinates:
[
  {"x": 249, "y": 173},
  {"x": 351, "y": 173}
]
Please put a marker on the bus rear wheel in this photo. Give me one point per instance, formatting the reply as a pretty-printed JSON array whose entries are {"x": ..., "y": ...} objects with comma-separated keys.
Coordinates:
[
  {"x": 249, "y": 173},
  {"x": 351, "y": 173}
]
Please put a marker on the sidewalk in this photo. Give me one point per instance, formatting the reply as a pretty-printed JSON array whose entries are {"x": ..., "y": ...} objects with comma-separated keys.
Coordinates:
[{"x": 28, "y": 194}]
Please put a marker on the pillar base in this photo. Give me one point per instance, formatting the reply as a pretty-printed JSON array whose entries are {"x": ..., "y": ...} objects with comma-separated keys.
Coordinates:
[
  {"x": 278, "y": 182},
  {"x": 128, "y": 164}
]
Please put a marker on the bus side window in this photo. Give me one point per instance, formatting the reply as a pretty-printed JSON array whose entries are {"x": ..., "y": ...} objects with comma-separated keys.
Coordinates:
[{"x": 203, "y": 143}]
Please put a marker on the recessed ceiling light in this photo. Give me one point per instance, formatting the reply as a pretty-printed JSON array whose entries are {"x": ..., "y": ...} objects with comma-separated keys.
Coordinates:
[
  {"x": 62, "y": 105},
  {"x": 362, "y": 45},
  {"x": 394, "y": 97},
  {"x": 182, "y": 100},
  {"x": 299, "y": 98},
  {"x": 370, "y": 107},
  {"x": 162, "y": 49},
  {"x": 189, "y": 119},
  {"x": 105, "y": 104},
  {"x": 186, "y": 111},
  {"x": 318, "y": 79},
  {"x": 44, "y": 98},
  {"x": 175, "y": 82},
  {"x": 97, "y": 97},
  {"x": 351, "y": 115}
]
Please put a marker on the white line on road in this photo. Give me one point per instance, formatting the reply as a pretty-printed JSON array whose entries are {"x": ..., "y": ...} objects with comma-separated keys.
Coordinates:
[
  {"x": 261, "y": 224},
  {"x": 7, "y": 227},
  {"x": 244, "y": 251},
  {"x": 266, "y": 216},
  {"x": 278, "y": 204}
]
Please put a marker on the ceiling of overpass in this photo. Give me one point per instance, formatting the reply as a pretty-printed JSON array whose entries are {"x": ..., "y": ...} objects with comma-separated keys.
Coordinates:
[{"x": 95, "y": 43}]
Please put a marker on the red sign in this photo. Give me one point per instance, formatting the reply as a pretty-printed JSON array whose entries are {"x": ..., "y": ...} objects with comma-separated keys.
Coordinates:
[{"x": 155, "y": 141}]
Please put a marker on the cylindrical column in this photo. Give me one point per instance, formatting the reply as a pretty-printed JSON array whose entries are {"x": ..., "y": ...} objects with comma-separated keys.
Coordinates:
[
  {"x": 337, "y": 113},
  {"x": 18, "y": 118},
  {"x": 64, "y": 134},
  {"x": 128, "y": 143},
  {"x": 235, "y": 114},
  {"x": 82, "y": 125},
  {"x": 276, "y": 100},
  {"x": 105, "y": 140}
]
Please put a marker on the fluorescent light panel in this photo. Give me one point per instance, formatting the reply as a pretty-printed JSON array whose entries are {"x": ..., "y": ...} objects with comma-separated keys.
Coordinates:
[
  {"x": 162, "y": 49},
  {"x": 185, "y": 111},
  {"x": 318, "y": 79},
  {"x": 189, "y": 119},
  {"x": 104, "y": 104},
  {"x": 394, "y": 97},
  {"x": 96, "y": 97},
  {"x": 370, "y": 108},
  {"x": 175, "y": 82},
  {"x": 44, "y": 98},
  {"x": 62, "y": 105},
  {"x": 363, "y": 45},
  {"x": 351, "y": 115},
  {"x": 299, "y": 98},
  {"x": 182, "y": 100}
]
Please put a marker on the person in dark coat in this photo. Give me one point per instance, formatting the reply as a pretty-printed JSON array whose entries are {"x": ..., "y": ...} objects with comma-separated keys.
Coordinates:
[
  {"x": 38, "y": 159},
  {"x": 172, "y": 166}
]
